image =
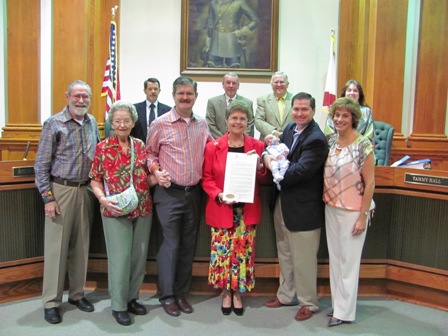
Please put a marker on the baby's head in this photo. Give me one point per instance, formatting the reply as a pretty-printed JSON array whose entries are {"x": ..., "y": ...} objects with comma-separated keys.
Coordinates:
[
  {"x": 274, "y": 141},
  {"x": 271, "y": 140}
]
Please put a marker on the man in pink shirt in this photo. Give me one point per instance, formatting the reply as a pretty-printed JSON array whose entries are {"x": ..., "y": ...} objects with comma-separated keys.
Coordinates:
[{"x": 175, "y": 149}]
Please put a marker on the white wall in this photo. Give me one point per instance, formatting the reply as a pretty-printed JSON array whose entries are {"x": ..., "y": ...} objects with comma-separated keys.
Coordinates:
[{"x": 150, "y": 47}]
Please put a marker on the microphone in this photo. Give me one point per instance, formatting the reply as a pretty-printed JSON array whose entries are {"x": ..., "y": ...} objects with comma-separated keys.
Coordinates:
[{"x": 26, "y": 151}]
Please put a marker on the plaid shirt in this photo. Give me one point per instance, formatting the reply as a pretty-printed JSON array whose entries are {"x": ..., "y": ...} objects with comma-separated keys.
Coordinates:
[{"x": 66, "y": 150}]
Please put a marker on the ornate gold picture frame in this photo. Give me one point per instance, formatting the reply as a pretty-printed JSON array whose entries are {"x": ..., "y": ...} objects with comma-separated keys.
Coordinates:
[{"x": 219, "y": 36}]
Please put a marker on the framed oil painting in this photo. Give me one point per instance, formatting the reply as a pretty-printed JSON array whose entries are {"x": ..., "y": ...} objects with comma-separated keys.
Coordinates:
[{"x": 219, "y": 36}]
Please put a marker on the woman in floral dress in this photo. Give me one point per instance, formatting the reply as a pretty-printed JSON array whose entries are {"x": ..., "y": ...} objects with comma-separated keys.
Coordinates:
[{"x": 233, "y": 225}]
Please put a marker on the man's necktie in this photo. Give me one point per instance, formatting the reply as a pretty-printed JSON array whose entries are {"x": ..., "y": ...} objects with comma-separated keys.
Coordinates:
[
  {"x": 230, "y": 101},
  {"x": 152, "y": 114},
  {"x": 281, "y": 108}
]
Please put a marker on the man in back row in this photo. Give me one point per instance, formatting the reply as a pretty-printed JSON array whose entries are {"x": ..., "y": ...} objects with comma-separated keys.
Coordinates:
[
  {"x": 148, "y": 109},
  {"x": 216, "y": 107},
  {"x": 274, "y": 109}
]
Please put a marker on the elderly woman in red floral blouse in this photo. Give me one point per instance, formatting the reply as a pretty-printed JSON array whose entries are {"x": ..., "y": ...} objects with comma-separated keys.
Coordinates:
[{"x": 126, "y": 236}]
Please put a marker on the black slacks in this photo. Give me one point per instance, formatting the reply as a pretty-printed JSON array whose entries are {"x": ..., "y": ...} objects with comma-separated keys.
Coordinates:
[{"x": 179, "y": 213}]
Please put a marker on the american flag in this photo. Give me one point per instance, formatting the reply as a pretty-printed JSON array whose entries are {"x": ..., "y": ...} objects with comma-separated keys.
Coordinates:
[
  {"x": 111, "y": 79},
  {"x": 330, "y": 83}
]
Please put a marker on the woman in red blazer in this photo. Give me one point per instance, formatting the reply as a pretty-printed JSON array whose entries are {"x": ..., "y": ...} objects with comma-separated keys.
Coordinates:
[{"x": 233, "y": 225}]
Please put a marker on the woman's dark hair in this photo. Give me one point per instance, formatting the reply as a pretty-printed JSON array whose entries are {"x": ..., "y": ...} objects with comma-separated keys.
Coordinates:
[{"x": 361, "y": 99}]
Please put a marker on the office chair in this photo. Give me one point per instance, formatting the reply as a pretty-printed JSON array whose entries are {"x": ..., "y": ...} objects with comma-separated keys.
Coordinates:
[{"x": 384, "y": 134}]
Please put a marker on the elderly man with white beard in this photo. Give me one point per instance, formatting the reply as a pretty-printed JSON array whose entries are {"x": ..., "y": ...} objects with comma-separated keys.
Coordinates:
[{"x": 62, "y": 167}]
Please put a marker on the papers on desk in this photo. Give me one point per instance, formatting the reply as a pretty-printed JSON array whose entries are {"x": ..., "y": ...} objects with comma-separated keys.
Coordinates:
[
  {"x": 401, "y": 161},
  {"x": 417, "y": 164},
  {"x": 239, "y": 179}
]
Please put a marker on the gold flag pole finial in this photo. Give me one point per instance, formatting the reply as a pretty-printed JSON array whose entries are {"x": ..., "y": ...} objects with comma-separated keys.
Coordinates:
[
  {"x": 113, "y": 10},
  {"x": 333, "y": 38}
]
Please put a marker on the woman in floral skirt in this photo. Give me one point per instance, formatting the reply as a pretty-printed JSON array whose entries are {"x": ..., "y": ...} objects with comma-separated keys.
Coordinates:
[{"x": 233, "y": 225}]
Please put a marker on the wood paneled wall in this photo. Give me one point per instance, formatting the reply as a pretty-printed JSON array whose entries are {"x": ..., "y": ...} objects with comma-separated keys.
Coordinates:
[
  {"x": 372, "y": 46},
  {"x": 80, "y": 46},
  {"x": 386, "y": 67},
  {"x": 352, "y": 54},
  {"x": 23, "y": 62},
  {"x": 372, "y": 43},
  {"x": 23, "y": 42},
  {"x": 432, "y": 77}
]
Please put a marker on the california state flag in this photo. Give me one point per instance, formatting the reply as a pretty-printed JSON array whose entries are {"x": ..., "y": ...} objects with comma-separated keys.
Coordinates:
[{"x": 330, "y": 83}]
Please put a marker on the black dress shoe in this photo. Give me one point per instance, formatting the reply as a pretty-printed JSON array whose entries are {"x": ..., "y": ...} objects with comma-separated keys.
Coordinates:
[
  {"x": 122, "y": 317},
  {"x": 170, "y": 307},
  {"x": 184, "y": 306},
  {"x": 82, "y": 304},
  {"x": 52, "y": 315},
  {"x": 226, "y": 310},
  {"x": 238, "y": 311},
  {"x": 136, "y": 308}
]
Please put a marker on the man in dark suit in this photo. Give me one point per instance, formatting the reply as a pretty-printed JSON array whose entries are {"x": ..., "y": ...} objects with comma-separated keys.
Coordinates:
[
  {"x": 299, "y": 209},
  {"x": 216, "y": 107},
  {"x": 151, "y": 87}
]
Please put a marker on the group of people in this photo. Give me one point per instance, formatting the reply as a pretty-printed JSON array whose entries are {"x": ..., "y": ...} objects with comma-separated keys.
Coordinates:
[{"x": 169, "y": 157}]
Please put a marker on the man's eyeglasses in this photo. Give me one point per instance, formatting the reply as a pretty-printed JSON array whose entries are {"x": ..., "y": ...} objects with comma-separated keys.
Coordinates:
[{"x": 79, "y": 96}]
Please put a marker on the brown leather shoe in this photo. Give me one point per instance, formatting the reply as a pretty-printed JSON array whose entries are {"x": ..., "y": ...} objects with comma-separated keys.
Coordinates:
[
  {"x": 184, "y": 306},
  {"x": 275, "y": 303},
  {"x": 304, "y": 313},
  {"x": 170, "y": 307}
]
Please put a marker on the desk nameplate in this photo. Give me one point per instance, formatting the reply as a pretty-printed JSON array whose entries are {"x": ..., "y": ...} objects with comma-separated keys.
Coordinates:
[
  {"x": 434, "y": 181},
  {"x": 25, "y": 171}
]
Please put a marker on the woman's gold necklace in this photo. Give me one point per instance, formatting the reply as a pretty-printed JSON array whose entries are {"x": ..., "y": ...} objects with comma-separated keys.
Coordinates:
[
  {"x": 239, "y": 142},
  {"x": 338, "y": 145}
]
